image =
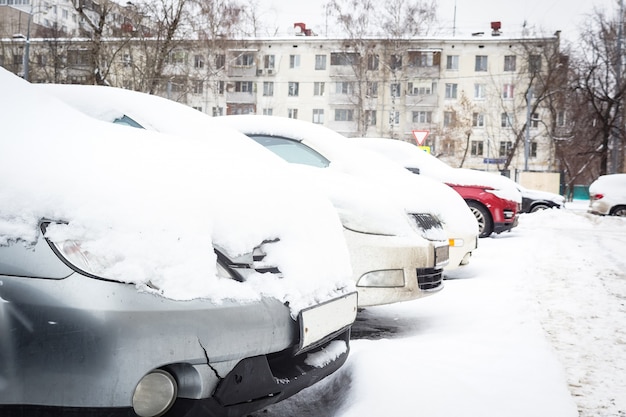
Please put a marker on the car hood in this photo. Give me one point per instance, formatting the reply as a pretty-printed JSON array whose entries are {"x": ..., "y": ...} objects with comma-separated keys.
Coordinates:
[{"x": 157, "y": 203}]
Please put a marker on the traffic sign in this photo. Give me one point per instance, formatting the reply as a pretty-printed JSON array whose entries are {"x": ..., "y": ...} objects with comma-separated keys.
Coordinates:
[{"x": 420, "y": 136}]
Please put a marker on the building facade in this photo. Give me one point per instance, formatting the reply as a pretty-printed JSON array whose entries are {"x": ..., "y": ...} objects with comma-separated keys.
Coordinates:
[{"x": 478, "y": 102}]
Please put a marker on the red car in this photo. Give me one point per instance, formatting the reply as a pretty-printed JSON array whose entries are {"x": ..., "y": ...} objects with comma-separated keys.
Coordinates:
[{"x": 494, "y": 199}]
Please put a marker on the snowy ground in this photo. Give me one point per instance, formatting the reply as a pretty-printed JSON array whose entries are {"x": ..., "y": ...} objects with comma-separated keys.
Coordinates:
[{"x": 533, "y": 327}]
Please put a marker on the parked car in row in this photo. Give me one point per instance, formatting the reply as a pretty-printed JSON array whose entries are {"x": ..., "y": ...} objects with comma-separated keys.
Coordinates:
[
  {"x": 607, "y": 195},
  {"x": 537, "y": 200},
  {"x": 424, "y": 202},
  {"x": 136, "y": 280},
  {"x": 492, "y": 198},
  {"x": 391, "y": 261}
]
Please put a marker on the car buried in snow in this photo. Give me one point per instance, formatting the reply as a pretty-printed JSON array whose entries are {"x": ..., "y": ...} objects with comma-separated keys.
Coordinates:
[
  {"x": 393, "y": 258},
  {"x": 135, "y": 281},
  {"x": 607, "y": 195}
]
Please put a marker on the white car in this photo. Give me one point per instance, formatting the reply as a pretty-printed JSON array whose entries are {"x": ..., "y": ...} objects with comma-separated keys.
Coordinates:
[
  {"x": 152, "y": 275},
  {"x": 607, "y": 195},
  {"x": 494, "y": 199},
  {"x": 391, "y": 261}
]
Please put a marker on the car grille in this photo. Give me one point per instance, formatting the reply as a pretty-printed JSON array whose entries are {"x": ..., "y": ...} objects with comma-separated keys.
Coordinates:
[{"x": 429, "y": 278}]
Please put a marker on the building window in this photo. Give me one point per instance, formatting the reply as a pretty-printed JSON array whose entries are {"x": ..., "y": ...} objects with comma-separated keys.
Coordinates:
[
  {"x": 177, "y": 56},
  {"x": 244, "y": 87},
  {"x": 505, "y": 148},
  {"x": 396, "y": 89},
  {"x": 220, "y": 86},
  {"x": 395, "y": 62},
  {"x": 415, "y": 90},
  {"x": 268, "y": 88},
  {"x": 318, "y": 116},
  {"x": 198, "y": 86},
  {"x": 535, "y": 120},
  {"x": 509, "y": 62},
  {"x": 268, "y": 112},
  {"x": 269, "y": 61},
  {"x": 481, "y": 63},
  {"x": 507, "y": 91},
  {"x": 478, "y": 120},
  {"x": 198, "y": 61},
  {"x": 534, "y": 63},
  {"x": 447, "y": 147},
  {"x": 505, "y": 120},
  {"x": 293, "y": 89},
  {"x": 344, "y": 58},
  {"x": 372, "y": 62},
  {"x": 218, "y": 111},
  {"x": 294, "y": 61},
  {"x": 422, "y": 116},
  {"x": 220, "y": 61},
  {"x": 394, "y": 117},
  {"x": 452, "y": 62},
  {"x": 370, "y": 117},
  {"x": 344, "y": 115},
  {"x": 476, "y": 148},
  {"x": 344, "y": 87},
  {"x": 423, "y": 58},
  {"x": 532, "y": 152},
  {"x": 292, "y": 113},
  {"x": 372, "y": 89},
  {"x": 320, "y": 62},
  {"x": 480, "y": 91},
  {"x": 244, "y": 60},
  {"x": 449, "y": 118},
  {"x": 451, "y": 90},
  {"x": 318, "y": 88}
]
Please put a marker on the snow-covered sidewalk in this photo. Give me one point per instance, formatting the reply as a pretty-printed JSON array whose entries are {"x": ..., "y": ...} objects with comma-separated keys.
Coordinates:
[{"x": 533, "y": 327}]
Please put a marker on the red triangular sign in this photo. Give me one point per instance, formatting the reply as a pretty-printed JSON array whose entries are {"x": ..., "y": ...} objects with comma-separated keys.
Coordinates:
[{"x": 420, "y": 136}]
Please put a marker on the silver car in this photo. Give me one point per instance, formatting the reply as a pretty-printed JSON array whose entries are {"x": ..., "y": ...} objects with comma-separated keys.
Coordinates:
[
  {"x": 74, "y": 340},
  {"x": 93, "y": 261}
]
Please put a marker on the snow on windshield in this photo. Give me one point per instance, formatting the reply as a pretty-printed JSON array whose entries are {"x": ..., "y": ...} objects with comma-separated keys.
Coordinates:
[{"x": 154, "y": 206}]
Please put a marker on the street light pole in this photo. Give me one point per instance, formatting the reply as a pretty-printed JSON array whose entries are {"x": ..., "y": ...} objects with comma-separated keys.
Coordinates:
[
  {"x": 26, "y": 57},
  {"x": 529, "y": 94}
]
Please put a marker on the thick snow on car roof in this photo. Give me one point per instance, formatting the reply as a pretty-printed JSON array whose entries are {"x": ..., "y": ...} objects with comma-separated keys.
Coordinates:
[
  {"x": 612, "y": 184},
  {"x": 410, "y": 156},
  {"x": 155, "y": 205}
]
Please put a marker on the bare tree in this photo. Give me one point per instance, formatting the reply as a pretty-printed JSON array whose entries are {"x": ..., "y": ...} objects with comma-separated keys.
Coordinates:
[{"x": 600, "y": 81}]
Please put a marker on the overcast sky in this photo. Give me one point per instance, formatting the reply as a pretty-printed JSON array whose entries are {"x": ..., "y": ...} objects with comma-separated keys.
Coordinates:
[{"x": 547, "y": 16}]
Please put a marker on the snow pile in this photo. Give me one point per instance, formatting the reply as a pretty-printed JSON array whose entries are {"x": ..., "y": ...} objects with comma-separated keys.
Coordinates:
[{"x": 153, "y": 207}]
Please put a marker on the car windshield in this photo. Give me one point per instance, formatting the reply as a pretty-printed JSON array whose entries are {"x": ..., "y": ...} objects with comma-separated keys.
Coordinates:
[
  {"x": 127, "y": 121},
  {"x": 292, "y": 151}
]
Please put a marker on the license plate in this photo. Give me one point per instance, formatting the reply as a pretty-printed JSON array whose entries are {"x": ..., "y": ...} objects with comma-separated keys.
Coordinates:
[
  {"x": 442, "y": 255},
  {"x": 321, "y": 322}
]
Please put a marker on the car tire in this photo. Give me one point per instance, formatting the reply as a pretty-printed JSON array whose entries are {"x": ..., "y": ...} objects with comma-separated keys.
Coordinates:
[
  {"x": 483, "y": 217},
  {"x": 618, "y": 211},
  {"x": 538, "y": 207}
]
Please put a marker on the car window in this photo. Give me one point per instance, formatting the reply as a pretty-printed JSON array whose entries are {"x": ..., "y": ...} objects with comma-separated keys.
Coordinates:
[
  {"x": 127, "y": 121},
  {"x": 292, "y": 151}
]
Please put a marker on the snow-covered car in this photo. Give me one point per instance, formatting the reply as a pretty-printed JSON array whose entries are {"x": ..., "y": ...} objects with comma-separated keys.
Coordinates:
[
  {"x": 607, "y": 195},
  {"x": 392, "y": 196},
  {"x": 494, "y": 199},
  {"x": 537, "y": 200},
  {"x": 391, "y": 261},
  {"x": 136, "y": 280}
]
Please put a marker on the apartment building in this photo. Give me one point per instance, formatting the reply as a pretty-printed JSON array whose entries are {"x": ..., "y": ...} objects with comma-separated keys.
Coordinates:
[{"x": 479, "y": 101}]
